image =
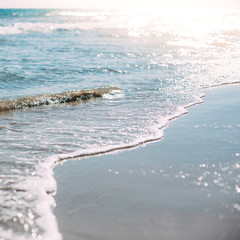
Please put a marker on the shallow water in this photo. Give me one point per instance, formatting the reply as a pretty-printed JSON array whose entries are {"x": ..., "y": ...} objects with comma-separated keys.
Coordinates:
[{"x": 160, "y": 60}]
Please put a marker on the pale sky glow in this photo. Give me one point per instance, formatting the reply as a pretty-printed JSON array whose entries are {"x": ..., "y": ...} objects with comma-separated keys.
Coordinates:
[{"x": 109, "y": 4}]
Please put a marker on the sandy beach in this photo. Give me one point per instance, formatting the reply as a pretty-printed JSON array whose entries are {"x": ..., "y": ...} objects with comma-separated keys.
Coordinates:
[{"x": 186, "y": 186}]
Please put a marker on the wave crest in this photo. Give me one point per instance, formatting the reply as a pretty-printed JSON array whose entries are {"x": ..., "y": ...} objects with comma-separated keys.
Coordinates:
[{"x": 46, "y": 99}]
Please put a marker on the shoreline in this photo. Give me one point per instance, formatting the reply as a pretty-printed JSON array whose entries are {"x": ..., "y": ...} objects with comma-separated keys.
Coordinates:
[{"x": 176, "y": 188}]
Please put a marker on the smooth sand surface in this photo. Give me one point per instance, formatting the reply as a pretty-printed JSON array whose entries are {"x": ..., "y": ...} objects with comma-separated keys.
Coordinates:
[{"x": 186, "y": 186}]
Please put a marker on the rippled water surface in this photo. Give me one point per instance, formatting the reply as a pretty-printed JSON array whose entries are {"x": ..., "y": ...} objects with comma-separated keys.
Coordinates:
[{"x": 161, "y": 61}]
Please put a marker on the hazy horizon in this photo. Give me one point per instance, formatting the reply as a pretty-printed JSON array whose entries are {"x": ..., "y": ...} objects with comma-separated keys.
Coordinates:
[{"x": 108, "y": 4}]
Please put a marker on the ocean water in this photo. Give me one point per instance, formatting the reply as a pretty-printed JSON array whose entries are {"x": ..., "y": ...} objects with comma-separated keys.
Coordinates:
[{"x": 151, "y": 66}]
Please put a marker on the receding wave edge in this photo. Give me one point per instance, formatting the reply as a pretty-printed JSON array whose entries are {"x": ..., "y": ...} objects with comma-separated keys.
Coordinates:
[{"x": 182, "y": 110}]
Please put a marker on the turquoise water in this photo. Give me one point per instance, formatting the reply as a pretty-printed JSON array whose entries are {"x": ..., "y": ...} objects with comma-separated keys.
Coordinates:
[{"x": 160, "y": 60}]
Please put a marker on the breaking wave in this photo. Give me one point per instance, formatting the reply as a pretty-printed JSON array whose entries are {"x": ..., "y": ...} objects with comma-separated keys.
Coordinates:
[{"x": 46, "y": 99}]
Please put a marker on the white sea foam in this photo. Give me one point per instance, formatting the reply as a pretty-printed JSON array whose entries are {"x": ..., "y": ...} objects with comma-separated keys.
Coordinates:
[{"x": 158, "y": 135}]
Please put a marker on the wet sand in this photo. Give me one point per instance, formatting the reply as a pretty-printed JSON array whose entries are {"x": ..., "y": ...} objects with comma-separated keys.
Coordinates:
[{"x": 186, "y": 186}]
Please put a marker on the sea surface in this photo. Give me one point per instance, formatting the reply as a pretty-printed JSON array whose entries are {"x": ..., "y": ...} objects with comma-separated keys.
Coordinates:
[{"x": 152, "y": 65}]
